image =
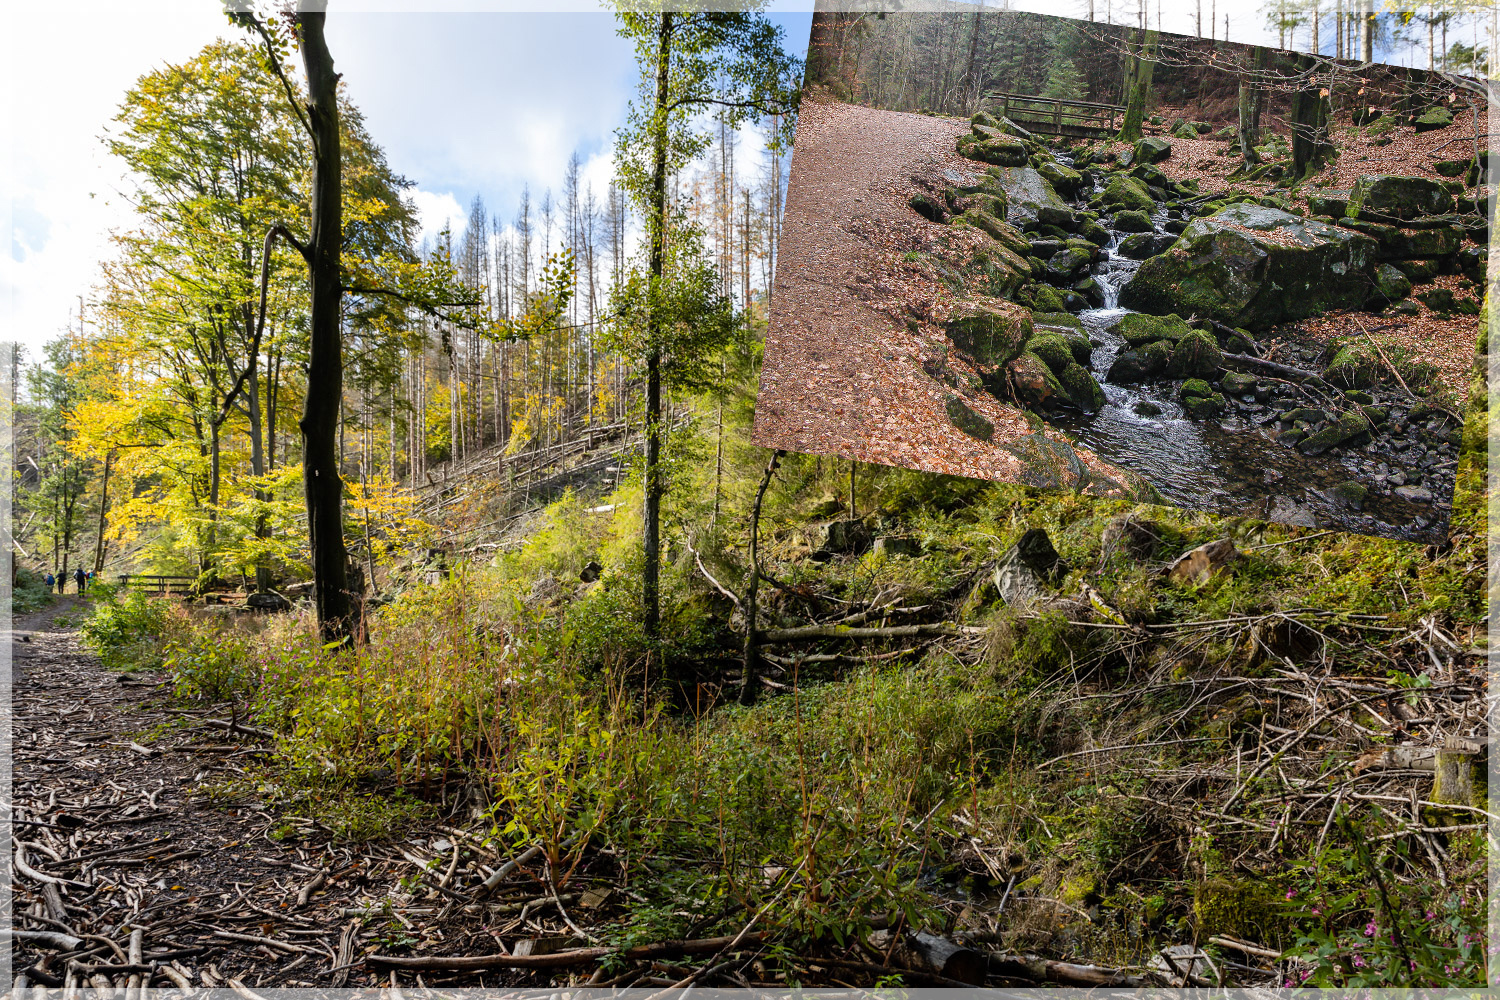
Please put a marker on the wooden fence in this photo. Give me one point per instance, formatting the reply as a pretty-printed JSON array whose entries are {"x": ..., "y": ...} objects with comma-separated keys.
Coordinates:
[{"x": 152, "y": 583}]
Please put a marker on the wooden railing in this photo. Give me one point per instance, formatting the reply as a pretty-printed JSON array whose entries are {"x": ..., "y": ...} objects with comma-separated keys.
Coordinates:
[
  {"x": 1057, "y": 117},
  {"x": 155, "y": 583}
]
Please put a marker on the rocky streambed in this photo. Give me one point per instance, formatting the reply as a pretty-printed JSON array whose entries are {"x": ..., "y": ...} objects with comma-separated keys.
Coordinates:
[{"x": 1130, "y": 310}]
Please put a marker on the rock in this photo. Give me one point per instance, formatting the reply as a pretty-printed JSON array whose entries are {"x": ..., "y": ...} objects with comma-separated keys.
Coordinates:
[
  {"x": 1138, "y": 538},
  {"x": 1418, "y": 270},
  {"x": 268, "y": 601},
  {"x": 928, "y": 208},
  {"x": 592, "y": 569},
  {"x": 898, "y": 545},
  {"x": 1091, "y": 230},
  {"x": 1080, "y": 388},
  {"x": 1398, "y": 243},
  {"x": 1057, "y": 320},
  {"x": 1199, "y": 565},
  {"x": 1196, "y": 355},
  {"x": 1354, "y": 366},
  {"x": 1237, "y": 383},
  {"x": 1358, "y": 397},
  {"x": 1028, "y": 568},
  {"x": 1131, "y": 221},
  {"x": 1251, "y": 266},
  {"x": 1048, "y": 463},
  {"x": 847, "y": 537},
  {"x": 1202, "y": 407},
  {"x": 1415, "y": 494},
  {"x": 1058, "y": 216},
  {"x": 1387, "y": 196},
  {"x": 1349, "y": 427},
  {"x": 984, "y": 118},
  {"x": 827, "y": 506},
  {"x": 1433, "y": 119},
  {"x": 1127, "y": 194},
  {"x": 1146, "y": 408},
  {"x": 1136, "y": 366},
  {"x": 1143, "y": 328},
  {"x": 1152, "y": 149},
  {"x": 1439, "y": 300},
  {"x": 1001, "y": 152},
  {"x": 1302, "y": 415},
  {"x": 1032, "y": 379},
  {"x": 1143, "y": 245},
  {"x": 991, "y": 331},
  {"x": 1006, "y": 235},
  {"x": 1052, "y": 349},
  {"x": 1069, "y": 262},
  {"x": 971, "y": 423},
  {"x": 1195, "y": 387},
  {"x": 1390, "y": 284},
  {"x": 1184, "y": 131},
  {"x": 1026, "y": 191},
  {"x": 1331, "y": 204},
  {"x": 1351, "y": 494},
  {"x": 1064, "y": 180},
  {"x": 1046, "y": 301},
  {"x": 1452, "y": 168}
]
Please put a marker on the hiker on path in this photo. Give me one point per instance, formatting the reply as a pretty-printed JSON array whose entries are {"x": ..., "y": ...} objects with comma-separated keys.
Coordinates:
[
  {"x": 81, "y": 578},
  {"x": 50, "y": 581}
]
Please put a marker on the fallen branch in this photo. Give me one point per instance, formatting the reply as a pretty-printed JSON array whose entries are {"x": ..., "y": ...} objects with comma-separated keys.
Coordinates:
[
  {"x": 47, "y": 939},
  {"x": 852, "y": 632},
  {"x": 1299, "y": 374},
  {"x": 560, "y": 959}
]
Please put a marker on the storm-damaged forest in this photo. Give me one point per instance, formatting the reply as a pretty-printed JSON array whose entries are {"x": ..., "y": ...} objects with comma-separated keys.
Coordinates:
[{"x": 446, "y": 628}]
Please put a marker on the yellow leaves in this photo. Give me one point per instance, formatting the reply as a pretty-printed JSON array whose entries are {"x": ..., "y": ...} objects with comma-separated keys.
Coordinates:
[{"x": 388, "y": 510}]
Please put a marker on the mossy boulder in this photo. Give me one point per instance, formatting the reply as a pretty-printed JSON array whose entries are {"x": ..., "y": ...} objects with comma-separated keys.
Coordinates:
[
  {"x": 1153, "y": 149},
  {"x": 1143, "y": 245},
  {"x": 1453, "y": 168},
  {"x": 1068, "y": 263},
  {"x": 1080, "y": 388},
  {"x": 1046, "y": 300},
  {"x": 1408, "y": 243},
  {"x": 1196, "y": 355},
  {"x": 1055, "y": 320},
  {"x": 1251, "y": 266},
  {"x": 1202, "y": 407},
  {"x": 1131, "y": 221},
  {"x": 990, "y": 331},
  {"x": 1001, "y": 151},
  {"x": 986, "y": 119},
  {"x": 1433, "y": 119},
  {"x": 1147, "y": 362},
  {"x": 1001, "y": 232},
  {"x": 1354, "y": 366},
  {"x": 1143, "y": 328},
  {"x": 1127, "y": 194},
  {"x": 1195, "y": 387},
  {"x": 974, "y": 424},
  {"x": 1026, "y": 191},
  {"x": 1237, "y": 383},
  {"x": 1052, "y": 349},
  {"x": 1033, "y": 381},
  {"x": 1184, "y": 131},
  {"x": 1094, "y": 232},
  {"x": 1349, "y": 428},
  {"x": 1392, "y": 196},
  {"x": 1330, "y": 204},
  {"x": 928, "y": 207},
  {"x": 1064, "y": 180},
  {"x": 1390, "y": 284}
]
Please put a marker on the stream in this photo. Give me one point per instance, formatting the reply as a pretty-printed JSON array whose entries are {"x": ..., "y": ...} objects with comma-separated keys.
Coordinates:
[{"x": 1233, "y": 463}]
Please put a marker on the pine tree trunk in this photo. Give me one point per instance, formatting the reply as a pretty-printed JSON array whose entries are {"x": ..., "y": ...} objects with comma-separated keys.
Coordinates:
[{"x": 323, "y": 486}]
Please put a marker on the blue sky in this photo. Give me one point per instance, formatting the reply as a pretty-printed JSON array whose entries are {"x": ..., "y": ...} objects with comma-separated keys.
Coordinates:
[{"x": 464, "y": 104}]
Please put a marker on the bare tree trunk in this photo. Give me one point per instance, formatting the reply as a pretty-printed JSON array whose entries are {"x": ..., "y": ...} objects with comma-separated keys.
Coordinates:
[
  {"x": 324, "y": 489},
  {"x": 658, "y": 225},
  {"x": 750, "y": 672},
  {"x": 103, "y": 513},
  {"x": 1252, "y": 100}
]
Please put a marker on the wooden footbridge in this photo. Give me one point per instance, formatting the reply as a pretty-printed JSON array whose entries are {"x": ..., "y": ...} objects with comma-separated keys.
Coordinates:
[{"x": 1077, "y": 119}]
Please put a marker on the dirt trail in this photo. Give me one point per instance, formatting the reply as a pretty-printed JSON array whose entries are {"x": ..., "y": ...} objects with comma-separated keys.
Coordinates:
[{"x": 104, "y": 765}]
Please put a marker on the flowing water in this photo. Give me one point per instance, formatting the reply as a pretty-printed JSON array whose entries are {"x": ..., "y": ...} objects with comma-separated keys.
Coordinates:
[{"x": 1232, "y": 463}]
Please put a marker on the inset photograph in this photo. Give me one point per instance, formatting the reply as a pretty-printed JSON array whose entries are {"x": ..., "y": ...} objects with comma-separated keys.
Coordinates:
[{"x": 1123, "y": 262}]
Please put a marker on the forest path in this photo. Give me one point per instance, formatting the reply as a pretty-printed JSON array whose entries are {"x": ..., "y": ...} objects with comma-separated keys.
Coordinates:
[{"x": 104, "y": 764}]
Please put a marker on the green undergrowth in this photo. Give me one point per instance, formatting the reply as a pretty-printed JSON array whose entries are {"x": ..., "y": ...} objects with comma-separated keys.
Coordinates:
[{"x": 518, "y": 694}]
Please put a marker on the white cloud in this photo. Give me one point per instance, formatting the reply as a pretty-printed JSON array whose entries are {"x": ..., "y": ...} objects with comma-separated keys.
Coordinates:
[{"x": 436, "y": 210}]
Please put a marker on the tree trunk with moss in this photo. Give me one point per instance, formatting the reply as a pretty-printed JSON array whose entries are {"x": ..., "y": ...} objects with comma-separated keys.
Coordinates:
[
  {"x": 1251, "y": 104},
  {"x": 1310, "y": 146},
  {"x": 1138, "y": 75}
]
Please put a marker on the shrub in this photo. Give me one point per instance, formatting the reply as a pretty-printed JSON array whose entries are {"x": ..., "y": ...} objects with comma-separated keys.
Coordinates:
[{"x": 128, "y": 634}]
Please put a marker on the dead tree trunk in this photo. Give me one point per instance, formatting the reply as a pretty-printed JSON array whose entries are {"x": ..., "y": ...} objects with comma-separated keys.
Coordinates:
[{"x": 750, "y": 673}]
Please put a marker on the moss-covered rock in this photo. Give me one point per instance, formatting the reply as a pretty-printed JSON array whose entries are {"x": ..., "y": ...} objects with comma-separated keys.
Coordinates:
[
  {"x": 986, "y": 119},
  {"x": 974, "y": 424},
  {"x": 1237, "y": 383},
  {"x": 1152, "y": 149},
  {"x": 1046, "y": 300},
  {"x": 1254, "y": 267},
  {"x": 1330, "y": 204},
  {"x": 1094, "y": 232},
  {"x": 1056, "y": 320},
  {"x": 1080, "y": 388},
  {"x": 1064, "y": 180},
  {"x": 928, "y": 208},
  {"x": 1026, "y": 191},
  {"x": 1131, "y": 221},
  {"x": 1391, "y": 196},
  {"x": 990, "y": 331},
  {"x": 1033, "y": 381},
  {"x": 1349, "y": 428},
  {"x": 1433, "y": 119},
  {"x": 1184, "y": 131},
  {"x": 1390, "y": 284},
  {"x": 1195, "y": 387},
  {"x": 1143, "y": 328},
  {"x": 1001, "y": 232},
  {"x": 1398, "y": 243},
  {"x": 1196, "y": 355},
  {"x": 1002, "y": 151},
  {"x": 1354, "y": 366},
  {"x": 1129, "y": 194},
  {"x": 1201, "y": 407},
  {"x": 1052, "y": 349}
]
